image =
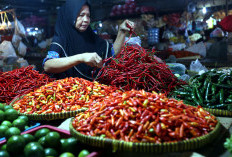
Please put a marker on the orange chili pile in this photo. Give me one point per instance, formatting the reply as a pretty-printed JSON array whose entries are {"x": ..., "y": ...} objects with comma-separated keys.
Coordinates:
[
  {"x": 136, "y": 68},
  {"x": 19, "y": 82},
  {"x": 68, "y": 94},
  {"x": 139, "y": 116}
]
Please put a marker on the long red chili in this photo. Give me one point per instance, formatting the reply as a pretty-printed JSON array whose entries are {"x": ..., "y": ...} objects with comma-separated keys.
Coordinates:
[
  {"x": 19, "y": 82},
  {"x": 136, "y": 68}
]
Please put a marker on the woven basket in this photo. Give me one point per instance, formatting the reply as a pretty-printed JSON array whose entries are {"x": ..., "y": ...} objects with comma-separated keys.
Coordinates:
[
  {"x": 218, "y": 112},
  {"x": 49, "y": 116},
  {"x": 117, "y": 145}
]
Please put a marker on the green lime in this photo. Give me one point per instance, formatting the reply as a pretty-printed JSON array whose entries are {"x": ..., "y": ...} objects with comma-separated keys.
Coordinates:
[
  {"x": 3, "y": 129},
  {"x": 28, "y": 138},
  {"x": 2, "y": 116},
  {"x": 41, "y": 132},
  {"x": 7, "y": 123},
  {"x": 62, "y": 140},
  {"x": 4, "y": 153},
  {"x": 83, "y": 153},
  {"x": 42, "y": 141},
  {"x": 6, "y": 107},
  {"x": 50, "y": 152},
  {"x": 11, "y": 114},
  {"x": 19, "y": 123},
  {"x": 53, "y": 139},
  {"x": 3, "y": 147},
  {"x": 12, "y": 131},
  {"x": 2, "y": 106},
  {"x": 15, "y": 144},
  {"x": 67, "y": 154},
  {"x": 25, "y": 118},
  {"x": 34, "y": 149},
  {"x": 69, "y": 145}
]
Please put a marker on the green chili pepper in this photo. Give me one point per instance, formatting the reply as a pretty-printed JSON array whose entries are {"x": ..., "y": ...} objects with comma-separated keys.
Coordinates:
[
  {"x": 228, "y": 100},
  {"x": 218, "y": 106},
  {"x": 199, "y": 96},
  {"x": 221, "y": 96},
  {"x": 207, "y": 91},
  {"x": 194, "y": 97},
  {"x": 222, "y": 78},
  {"x": 213, "y": 88}
]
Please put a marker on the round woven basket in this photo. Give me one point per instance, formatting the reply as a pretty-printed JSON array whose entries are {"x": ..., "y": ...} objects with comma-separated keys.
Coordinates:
[
  {"x": 49, "y": 116},
  {"x": 218, "y": 112},
  {"x": 117, "y": 145}
]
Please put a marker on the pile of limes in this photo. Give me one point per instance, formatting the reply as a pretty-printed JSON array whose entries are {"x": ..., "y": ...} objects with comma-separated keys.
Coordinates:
[
  {"x": 10, "y": 122},
  {"x": 44, "y": 142}
]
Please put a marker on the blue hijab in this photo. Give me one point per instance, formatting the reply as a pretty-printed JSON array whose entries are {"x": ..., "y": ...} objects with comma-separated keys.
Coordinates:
[{"x": 68, "y": 41}]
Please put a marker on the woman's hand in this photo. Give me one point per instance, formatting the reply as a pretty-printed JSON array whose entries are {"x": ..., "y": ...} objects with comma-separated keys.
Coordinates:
[
  {"x": 126, "y": 26},
  {"x": 92, "y": 59}
]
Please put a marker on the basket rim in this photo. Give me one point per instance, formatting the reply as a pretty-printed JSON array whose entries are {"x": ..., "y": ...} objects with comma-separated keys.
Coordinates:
[{"x": 210, "y": 136}]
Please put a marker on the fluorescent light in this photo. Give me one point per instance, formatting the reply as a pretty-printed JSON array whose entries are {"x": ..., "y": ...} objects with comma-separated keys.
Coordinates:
[{"x": 204, "y": 10}]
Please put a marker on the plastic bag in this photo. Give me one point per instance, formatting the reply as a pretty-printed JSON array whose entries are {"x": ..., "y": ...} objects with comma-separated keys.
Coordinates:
[
  {"x": 199, "y": 48},
  {"x": 197, "y": 67},
  {"x": 177, "y": 68},
  {"x": 22, "y": 49},
  {"x": 217, "y": 32},
  {"x": 7, "y": 48},
  {"x": 19, "y": 28},
  {"x": 22, "y": 62},
  {"x": 16, "y": 40},
  {"x": 134, "y": 41},
  {"x": 42, "y": 44}
]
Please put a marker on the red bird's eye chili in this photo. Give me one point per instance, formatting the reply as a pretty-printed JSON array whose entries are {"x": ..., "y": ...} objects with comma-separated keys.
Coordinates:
[
  {"x": 160, "y": 120},
  {"x": 20, "y": 81},
  {"x": 68, "y": 94}
]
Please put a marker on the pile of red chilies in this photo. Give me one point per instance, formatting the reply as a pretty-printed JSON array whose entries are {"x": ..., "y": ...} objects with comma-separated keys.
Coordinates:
[
  {"x": 139, "y": 116},
  {"x": 136, "y": 68},
  {"x": 19, "y": 82}
]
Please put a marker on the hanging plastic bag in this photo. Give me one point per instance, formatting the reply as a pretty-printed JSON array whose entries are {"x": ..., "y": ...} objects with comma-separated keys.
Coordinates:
[
  {"x": 4, "y": 25},
  {"x": 197, "y": 67},
  {"x": 19, "y": 28}
]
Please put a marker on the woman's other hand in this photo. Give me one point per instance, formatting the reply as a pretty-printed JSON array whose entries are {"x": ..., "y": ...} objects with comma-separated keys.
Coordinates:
[
  {"x": 92, "y": 59},
  {"x": 126, "y": 26}
]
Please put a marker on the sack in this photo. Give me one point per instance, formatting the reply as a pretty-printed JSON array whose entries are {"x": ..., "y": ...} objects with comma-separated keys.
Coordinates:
[
  {"x": 19, "y": 28},
  {"x": 22, "y": 49},
  {"x": 16, "y": 40},
  {"x": 7, "y": 48}
]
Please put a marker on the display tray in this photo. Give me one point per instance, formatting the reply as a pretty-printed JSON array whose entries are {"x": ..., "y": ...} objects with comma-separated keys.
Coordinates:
[
  {"x": 117, "y": 145},
  {"x": 63, "y": 134},
  {"x": 48, "y": 116},
  {"x": 32, "y": 126}
]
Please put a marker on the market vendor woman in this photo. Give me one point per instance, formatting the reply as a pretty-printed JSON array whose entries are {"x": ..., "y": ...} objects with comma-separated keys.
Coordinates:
[{"x": 76, "y": 50}]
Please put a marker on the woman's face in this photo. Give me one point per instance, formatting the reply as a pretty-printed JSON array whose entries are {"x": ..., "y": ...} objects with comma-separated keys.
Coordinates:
[{"x": 83, "y": 19}]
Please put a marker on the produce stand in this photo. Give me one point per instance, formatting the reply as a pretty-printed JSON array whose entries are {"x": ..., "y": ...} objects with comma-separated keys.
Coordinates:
[{"x": 139, "y": 104}]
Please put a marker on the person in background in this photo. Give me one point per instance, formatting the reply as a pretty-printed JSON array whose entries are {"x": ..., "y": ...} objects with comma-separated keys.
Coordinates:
[{"x": 76, "y": 50}]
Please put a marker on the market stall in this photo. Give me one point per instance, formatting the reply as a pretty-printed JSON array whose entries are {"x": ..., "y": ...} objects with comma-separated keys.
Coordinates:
[{"x": 167, "y": 93}]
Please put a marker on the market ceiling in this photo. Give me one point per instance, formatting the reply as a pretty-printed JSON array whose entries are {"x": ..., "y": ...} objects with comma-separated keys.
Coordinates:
[{"x": 45, "y": 7}]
